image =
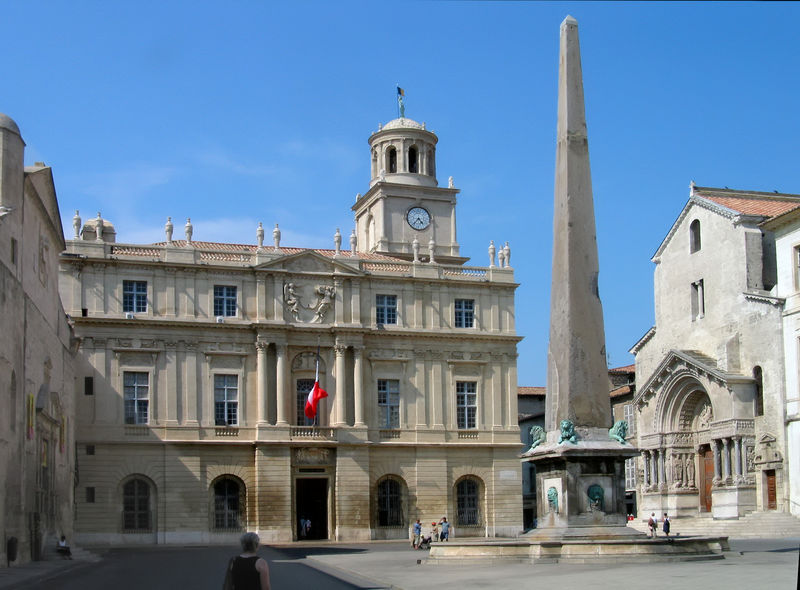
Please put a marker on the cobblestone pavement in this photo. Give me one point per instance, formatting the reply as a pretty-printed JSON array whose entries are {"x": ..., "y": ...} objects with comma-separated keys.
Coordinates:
[{"x": 750, "y": 563}]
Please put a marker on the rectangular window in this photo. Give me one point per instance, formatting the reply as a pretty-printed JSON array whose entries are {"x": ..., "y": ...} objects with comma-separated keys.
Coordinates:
[
  {"x": 389, "y": 403},
  {"x": 301, "y": 392},
  {"x": 226, "y": 400},
  {"x": 136, "y": 392},
  {"x": 630, "y": 474},
  {"x": 386, "y": 309},
  {"x": 698, "y": 300},
  {"x": 465, "y": 313},
  {"x": 14, "y": 251},
  {"x": 134, "y": 296},
  {"x": 88, "y": 386},
  {"x": 466, "y": 404},
  {"x": 90, "y": 449},
  {"x": 90, "y": 495},
  {"x": 224, "y": 301},
  {"x": 630, "y": 418},
  {"x": 797, "y": 268}
]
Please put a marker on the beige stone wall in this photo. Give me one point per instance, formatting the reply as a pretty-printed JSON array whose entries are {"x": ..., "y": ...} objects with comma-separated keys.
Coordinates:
[{"x": 36, "y": 361}]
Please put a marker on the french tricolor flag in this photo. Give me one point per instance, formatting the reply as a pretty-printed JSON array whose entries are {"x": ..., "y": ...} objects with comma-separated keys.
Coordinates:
[{"x": 316, "y": 394}]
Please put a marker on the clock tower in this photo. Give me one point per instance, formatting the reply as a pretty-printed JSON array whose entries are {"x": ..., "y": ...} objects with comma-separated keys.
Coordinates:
[{"x": 404, "y": 201}]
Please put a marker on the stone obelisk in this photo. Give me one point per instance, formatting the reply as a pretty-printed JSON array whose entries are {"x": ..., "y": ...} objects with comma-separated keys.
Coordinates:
[{"x": 579, "y": 465}]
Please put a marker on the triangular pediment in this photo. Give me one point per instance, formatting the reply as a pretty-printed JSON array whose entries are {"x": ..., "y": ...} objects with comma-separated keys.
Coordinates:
[
  {"x": 766, "y": 439},
  {"x": 310, "y": 262},
  {"x": 690, "y": 362}
]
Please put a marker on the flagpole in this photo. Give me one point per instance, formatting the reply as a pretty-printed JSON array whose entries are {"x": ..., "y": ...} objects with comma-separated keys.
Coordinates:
[{"x": 316, "y": 379}]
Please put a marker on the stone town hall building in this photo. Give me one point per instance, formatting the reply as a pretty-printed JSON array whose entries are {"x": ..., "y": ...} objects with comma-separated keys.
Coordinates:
[{"x": 197, "y": 358}]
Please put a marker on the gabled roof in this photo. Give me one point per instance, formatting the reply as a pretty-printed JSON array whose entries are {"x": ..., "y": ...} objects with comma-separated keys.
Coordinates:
[
  {"x": 531, "y": 391},
  {"x": 701, "y": 363},
  {"x": 733, "y": 204}
]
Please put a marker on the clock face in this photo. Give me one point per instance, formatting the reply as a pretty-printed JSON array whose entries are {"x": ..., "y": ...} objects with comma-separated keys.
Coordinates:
[{"x": 418, "y": 218}]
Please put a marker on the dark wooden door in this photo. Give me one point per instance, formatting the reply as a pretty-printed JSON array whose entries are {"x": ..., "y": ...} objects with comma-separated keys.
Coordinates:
[
  {"x": 772, "y": 500},
  {"x": 707, "y": 478}
]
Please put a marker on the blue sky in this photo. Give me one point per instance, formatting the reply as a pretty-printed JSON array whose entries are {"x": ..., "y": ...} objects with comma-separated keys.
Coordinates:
[{"x": 238, "y": 112}]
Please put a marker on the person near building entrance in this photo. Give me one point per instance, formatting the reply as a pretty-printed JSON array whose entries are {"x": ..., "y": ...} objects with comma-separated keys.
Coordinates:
[
  {"x": 63, "y": 549},
  {"x": 445, "y": 534},
  {"x": 653, "y": 525},
  {"x": 247, "y": 571},
  {"x": 666, "y": 524},
  {"x": 417, "y": 533}
]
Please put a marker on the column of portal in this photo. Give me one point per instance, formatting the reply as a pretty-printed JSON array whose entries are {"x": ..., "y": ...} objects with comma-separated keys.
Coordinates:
[
  {"x": 653, "y": 469},
  {"x": 646, "y": 465},
  {"x": 358, "y": 382},
  {"x": 738, "y": 458},
  {"x": 726, "y": 460},
  {"x": 717, "y": 471},
  {"x": 662, "y": 474}
]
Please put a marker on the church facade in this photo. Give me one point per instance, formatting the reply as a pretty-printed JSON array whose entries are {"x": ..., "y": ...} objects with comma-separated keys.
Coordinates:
[
  {"x": 711, "y": 396},
  {"x": 197, "y": 359}
]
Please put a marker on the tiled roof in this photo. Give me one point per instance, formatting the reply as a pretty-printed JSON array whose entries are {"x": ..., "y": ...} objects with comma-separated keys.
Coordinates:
[
  {"x": 620, "y": 391},
  {"x": 625, "y": 369},
  {"x": 750, "y": 203},
  {"x": 525, "y": 390}
]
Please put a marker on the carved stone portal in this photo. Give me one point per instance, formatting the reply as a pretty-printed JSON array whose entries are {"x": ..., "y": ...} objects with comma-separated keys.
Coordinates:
[
  {"x": 308, "y": 303},
  {"x": 312, "y": 456}
]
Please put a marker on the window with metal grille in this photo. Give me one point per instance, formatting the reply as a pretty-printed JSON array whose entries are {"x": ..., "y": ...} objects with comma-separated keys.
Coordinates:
[
  {"x": 136, "y": 506},
  {"x": 390, "y": 510},
  {"x": 227, "y": 502},
  {"x": 386, "y": 309},
  {"x": 630, "y": 474},
  {"x": 136, "y": 393},
  {"x": 134, "y": 296},
  {"x": 630, "y": 418},
  {"x": 226, "y": 400},
  {"x": 389, "y": 403},
  {"x": 466, "y": 404},
  {"x": 224, "y": 300},
  {"x": 303, "y": 387},
  {"x": 467, "y": 501},
  {"x": 465, "y": 313}
]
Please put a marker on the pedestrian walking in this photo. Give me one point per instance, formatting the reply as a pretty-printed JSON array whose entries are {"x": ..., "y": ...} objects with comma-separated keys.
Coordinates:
[
  {"x": 666, "y": 524},
  {"x": 417, "y": 529},
  {"x": 652, "y": 524},
  {"x": 247, "y": 571}
]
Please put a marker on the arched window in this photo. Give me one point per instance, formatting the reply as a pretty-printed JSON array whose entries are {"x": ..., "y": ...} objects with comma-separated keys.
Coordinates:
[
  {"x": 228, "y": 504},
  {"x": 758, "y": 409},
  {"x": 694, "y": 236},
  {"x": 390, "y": 503},
  {"x": 391, "y": 160},
  {"x": 467, "y": 502},
  {"x": 412, "y": 160},
  {"x": 136, "y": 514}
]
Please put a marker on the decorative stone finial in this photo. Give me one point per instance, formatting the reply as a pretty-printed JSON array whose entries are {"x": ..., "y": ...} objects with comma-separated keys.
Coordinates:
[
  {"x": 98, "y": 228},
  {"x": 276, "y": 237},
  {"x": 450, "y": 183},
  {"x": 415, "y": 249},
  {"x": 432, "y": 247},
  {"x": 188, "y": 229},
  {"x": 76, "y": 224},
  {"x": 382, "y": 177},
  {"x": 358, "y": 196},
  {"x": 380, "y": 126},
  {"x": 423, "y": 125},
  {"x": 691, "y": 188},
  {"x": 501, "y": 258},
  {"x": 337, "y": 241},
  {"x": 353, "y": 242},
  {"x": 260, "y": 235},
  {"x": 507, "y": 252},
  {"x": 168, "y": 228},
  {"x": 492, "y": 251}
]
